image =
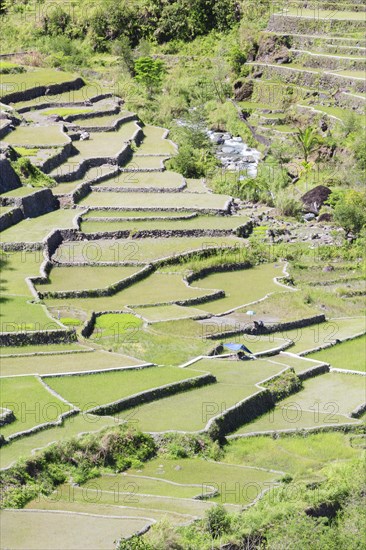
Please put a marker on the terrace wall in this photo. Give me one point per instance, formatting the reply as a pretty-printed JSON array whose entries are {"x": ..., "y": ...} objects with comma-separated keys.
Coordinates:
[
  {"x": 154, "y": 394},
  {"x": 10, "y": 218},
  {"x": 52, "y": 89},
  {"x": 15, "y": 339}
]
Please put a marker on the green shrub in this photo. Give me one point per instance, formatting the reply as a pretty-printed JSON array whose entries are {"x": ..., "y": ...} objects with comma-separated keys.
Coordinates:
[{"x": 217, "y": 521}]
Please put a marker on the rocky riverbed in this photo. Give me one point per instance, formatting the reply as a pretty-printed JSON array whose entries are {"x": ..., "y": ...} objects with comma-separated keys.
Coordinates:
[{"x": 234, "y": 154}]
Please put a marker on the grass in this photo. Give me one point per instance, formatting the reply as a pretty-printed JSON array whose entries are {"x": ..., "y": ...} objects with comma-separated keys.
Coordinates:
[
  {"x": 24, "y": 151},
  {"x": 87, "y": 392},
  {"x": 146, "y": 180},
  {"x": 326, "y": 14},
  {"x": 303, "y": 457},
  {"x": 7, "y": 67},
  {"x": 91, "y": 214},
  {"x": 323, "y": 333},
  {"x": 61, "y": 364},
  {"x": 32, "y": 79},
  {"x": 138, "y": 250},
  {"x": 138, "y": 485},
  {"x": 71, "y": 427},
  {"x": 107, "y": 120},
  {"x": 30, "y": 529},
  {"x": 118, "y": 503},
  {"x": 36, "y": 229},
  {"x": 241, "y": 287},
  {"x": 31, "y": 403},
  {"x": 85, "y": 278},
  {"x": 66, "y": 111},
  {"x": 281, "y": 307},
  {"x": 37, "y": 136},
  {"x": 184, "y": 201},
  {"x": 19, "y": 314},
  {"x": 349, "y": 355},
  {"x": 95, "y": 172},
  {"x": 121, "y": 327},
  {"x": 192, "y": 410},
  {"x": 45, "y": 348},
  {"x": 154, "y": 143},
  {"x": 165, "y": 313},
  {"x": 229, "y": 223},
  {"x": 325, "y": 401},
  {"x": 19, "y": 192},
  {"x": 299, "y": 364},
  {"x": 139, "y": 163},
  {"x": 236, "y": 484},
  {"x": 155, "y": 289}
]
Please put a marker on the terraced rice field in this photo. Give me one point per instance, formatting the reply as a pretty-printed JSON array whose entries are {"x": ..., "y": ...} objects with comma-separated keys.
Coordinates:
[
  {"x": 160, "y": 330},
  {"x": 64, "y": 364},
  {"x": 325, "y": 401}
]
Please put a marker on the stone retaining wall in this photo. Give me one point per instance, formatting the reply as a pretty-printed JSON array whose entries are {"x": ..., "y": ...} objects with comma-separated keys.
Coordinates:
[
  {"x": 111, "y": 128},
  {"x": 11, "y": 218},
  {"x": 97, "y": 293},
  {"x": 7, "y": 417},
  {"x": 241, "y": 413},
  {"x": 153, "y": 395},
  {"x": 42, "y": 427},
  {"x": 55, "y": 104},
  {"x": 15, "y": 94},
  {"x": 271, "y": 328},
  {"x": 56, "y": 160},
  {"x": 15, "y": 339},
  {"x": 287, "y": 24}
]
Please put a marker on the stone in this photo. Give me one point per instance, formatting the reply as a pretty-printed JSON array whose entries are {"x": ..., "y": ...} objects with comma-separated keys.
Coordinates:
[
  {"x": 314, "y": 199},
  {"x": 84, "y": 136},
  {"x": 9, "y": 179}
]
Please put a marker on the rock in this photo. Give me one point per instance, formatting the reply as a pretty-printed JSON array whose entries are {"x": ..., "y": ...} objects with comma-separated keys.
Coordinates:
[
  {"x": 228, "y": 150},
  {"x": 178, "y": 468},
  {"x": 326, "y": 217},
  {"x": 313, "y": 200},
  {"x": 84, "y": 136},
  {"x": 309, "y": 217},
  {"x": 243, "y": 90}
]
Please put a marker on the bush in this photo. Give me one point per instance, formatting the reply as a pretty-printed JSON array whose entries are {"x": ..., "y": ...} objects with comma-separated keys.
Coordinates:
[
  {"x": 217, "y": 521},
  {"x": 287, "y": 205},
  {"x": 350, "y": 211}
]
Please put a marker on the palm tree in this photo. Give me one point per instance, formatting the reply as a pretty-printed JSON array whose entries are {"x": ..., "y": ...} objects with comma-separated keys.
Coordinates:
[{"x": 308, "y": 140}]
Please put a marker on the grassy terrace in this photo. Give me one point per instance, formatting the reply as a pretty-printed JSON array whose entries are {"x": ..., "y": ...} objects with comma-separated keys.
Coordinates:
[
  {"x": 71, "y": 427},
  {"x": 139, "y": 163},
  {"x": 202, "y": 222},
  {"x": 61, "y": 364},
  {"x": 192, "y": 410},
  {"x": 220, "y": 475},
  {"x": 26, "y": 528},
  {"x": 148, "y": 180},
  {"x": 67, "y": 98},
  {"x": 317, "y": 13},
  {"x": 325, "y": 400},
  {"x": 324, "y": 333},
  {"x": 349, "y": 355},
  {"x": 99, "y": 145},
  {"x": 26, "y": 394},
  {"x": 17, "y": 311},
  {"x": 85, "y": 278},
  {"x": 302, "y": 457},
  {"x": 87, "y": 392},
  {"x": 134, "y": 214},
  {"x": 241, "y": 287},
  {"x": 164, "y": 313},
  {"x": 37, "y": 135},
  {"x": 155, "y": 289},
  {"x": 107, "y": 120},
  {"x": 36, "y": 229},
  {"x": 23, "y": 191},
  {"x": 154, "y": 143},
  {"x": 92, "y": 173},
  {"x": 10, "y": 83},
  {"x": 41, "y": 349},
  {"x": 184, "y": 201},
  {"x": 138, "y": 250}
]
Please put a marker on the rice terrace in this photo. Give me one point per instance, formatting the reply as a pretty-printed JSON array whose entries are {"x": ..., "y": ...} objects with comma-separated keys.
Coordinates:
[{"x": 182, "y": 310}]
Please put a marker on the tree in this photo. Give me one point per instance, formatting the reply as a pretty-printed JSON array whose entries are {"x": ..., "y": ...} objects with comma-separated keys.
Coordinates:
[
  {"x": 149, "y": 72},
  {"x": 308, "y": 140},
  {"x": 350, "y": 212}
]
